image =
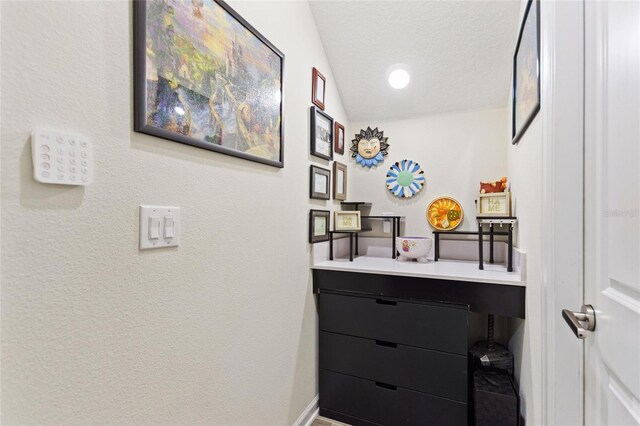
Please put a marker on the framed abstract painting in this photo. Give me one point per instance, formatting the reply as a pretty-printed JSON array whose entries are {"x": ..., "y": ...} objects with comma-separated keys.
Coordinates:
[
  {"x": 203, "y": 76},
  {"x": 526, "y": 73}
]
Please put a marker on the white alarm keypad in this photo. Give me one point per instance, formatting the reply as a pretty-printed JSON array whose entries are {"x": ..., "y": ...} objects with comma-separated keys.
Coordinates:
[{"x": 61, "y": 158}]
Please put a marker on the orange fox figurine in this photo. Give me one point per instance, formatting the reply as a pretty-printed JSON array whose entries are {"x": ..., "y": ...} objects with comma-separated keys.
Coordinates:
[{"x": 490, "y": 187}]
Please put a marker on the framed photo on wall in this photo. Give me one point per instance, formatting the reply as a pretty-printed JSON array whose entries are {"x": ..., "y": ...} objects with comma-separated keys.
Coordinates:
[
  {"x": 339, "y": 138},
  {"x": 319, "y": 183},
  {"x": 318, "y": 88},
  {"x": 318, "y": 226},
  {"x": 526, "y": 73},
  {"x": 339, "y": 181},
  {"x": 321, "y": 134},
  {"x": 203, "y": 76}
]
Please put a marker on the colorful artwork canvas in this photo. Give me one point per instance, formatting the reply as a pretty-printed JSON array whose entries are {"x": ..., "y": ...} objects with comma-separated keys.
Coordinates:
[
  {"x": 207, "y": 78},
  {"x": 526, "y": 77}
]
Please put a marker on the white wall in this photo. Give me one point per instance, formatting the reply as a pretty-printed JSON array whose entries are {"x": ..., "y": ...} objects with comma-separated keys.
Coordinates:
[
  {"x": 525, "y": 170},
  {"x": 221, "y": 330},
  {"x": 456, "y": 151}
]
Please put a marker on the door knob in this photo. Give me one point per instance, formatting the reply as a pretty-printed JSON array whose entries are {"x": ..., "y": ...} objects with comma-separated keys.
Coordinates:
[{"x": 575, "y": 320}]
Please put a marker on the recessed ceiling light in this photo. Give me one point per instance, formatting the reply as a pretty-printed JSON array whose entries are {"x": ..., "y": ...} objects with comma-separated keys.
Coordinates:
[{"x": 398, "y": 76}]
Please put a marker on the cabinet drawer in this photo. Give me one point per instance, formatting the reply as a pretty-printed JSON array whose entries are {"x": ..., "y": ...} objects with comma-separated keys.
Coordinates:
[
  {"x": 415, "y": 324},
  {"x": 379, "y": 403},
  {"x": 436, "y": 373}
]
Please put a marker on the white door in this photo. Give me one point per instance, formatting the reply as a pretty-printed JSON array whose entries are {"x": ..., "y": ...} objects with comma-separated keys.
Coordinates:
[{"x": 612, "y": 219}]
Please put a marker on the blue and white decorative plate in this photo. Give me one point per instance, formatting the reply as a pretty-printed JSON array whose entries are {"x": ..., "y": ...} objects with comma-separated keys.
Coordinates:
[{"x": 405, "y": 179}]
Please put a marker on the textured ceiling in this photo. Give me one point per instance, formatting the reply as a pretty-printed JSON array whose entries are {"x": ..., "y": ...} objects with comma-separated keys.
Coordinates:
[{"x": 459, "y": 52}]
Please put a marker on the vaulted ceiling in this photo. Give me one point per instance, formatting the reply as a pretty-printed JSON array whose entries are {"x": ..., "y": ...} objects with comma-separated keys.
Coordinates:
[{"x": 459, "y": 52}]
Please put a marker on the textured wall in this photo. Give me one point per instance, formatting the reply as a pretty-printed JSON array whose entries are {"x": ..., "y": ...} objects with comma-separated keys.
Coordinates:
[
  {"x": 221, "y": 330},
  {"x": 524, "y": 165},
  {"x": 456, "y": 151}
]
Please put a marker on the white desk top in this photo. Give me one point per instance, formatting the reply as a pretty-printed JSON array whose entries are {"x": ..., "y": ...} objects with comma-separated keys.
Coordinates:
[{"x": 456, "y": 270}]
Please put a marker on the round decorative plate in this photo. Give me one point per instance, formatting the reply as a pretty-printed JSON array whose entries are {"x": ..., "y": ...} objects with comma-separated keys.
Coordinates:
[
  {"x": 405, "y": 179},
  {"x": 444, "y": 214}
]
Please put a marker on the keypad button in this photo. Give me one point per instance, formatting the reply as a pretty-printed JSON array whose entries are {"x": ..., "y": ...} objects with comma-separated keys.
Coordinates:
[
  {"x": 45, "y": 166},
  {"x": 83, "y": 162},
  {"x": 83, "y": 155},
  {"x": 59, "y": 139},
  {"x": 60, "y": 151},
  {"x": 45, "y": 174},
  {"x": 60, "y": 160},
  {"x": 72, "y": 161},
  {"x": 45, "y": 157},
  {"x": 60, "y": 168},
  {"x": 83, "y": 144},
  {"x": 72, "y": 177},
  {"x": 72, "y": 142},
  {"x": 44, "y": 148},
  {"x": 84, "y": 171},
  {"x": 72, "y": 153},
  {"x": 72, "y": 169},
  {"x": 85, "y": 178},
  {"x": 60, "y": 176}
]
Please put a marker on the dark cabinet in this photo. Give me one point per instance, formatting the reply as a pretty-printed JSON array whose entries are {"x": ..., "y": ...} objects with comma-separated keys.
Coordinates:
[{"x": 391, "y": 361}]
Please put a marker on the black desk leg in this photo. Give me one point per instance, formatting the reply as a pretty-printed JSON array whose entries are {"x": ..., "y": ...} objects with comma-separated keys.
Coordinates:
[
  {"x": 491, "y": 243},
  {"x": 357, "y": 254},
  {"x": 393, "y": 239},
  {"x": 480, "y": 255},
  {"x": 330, "y": 245},
  {"x": 510, "y": 250},
  {"x": 351, "y": 247},
  {"x": 436, "y": 253}
]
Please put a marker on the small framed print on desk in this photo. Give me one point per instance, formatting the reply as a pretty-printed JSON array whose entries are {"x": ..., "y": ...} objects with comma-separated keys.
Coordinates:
[
  {"x": 494, "y": 204},
  {"x": 347, "y": 220}
]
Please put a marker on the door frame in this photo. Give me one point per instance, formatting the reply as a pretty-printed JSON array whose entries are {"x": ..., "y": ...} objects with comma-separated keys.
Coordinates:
[{"x": 562, "y": 233}]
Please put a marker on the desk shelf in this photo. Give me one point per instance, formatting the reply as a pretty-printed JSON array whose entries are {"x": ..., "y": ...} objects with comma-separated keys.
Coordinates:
[
  {"x": 354, "y": 235},
  {"x": 491, "y": 221}
]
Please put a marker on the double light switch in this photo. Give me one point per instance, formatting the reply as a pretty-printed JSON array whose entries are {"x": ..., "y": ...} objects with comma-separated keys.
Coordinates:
[{"x": 159, "y": 227}]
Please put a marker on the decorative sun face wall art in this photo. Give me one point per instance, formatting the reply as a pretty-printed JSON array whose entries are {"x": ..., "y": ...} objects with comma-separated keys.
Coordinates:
[
  {"x": 405, "y": 179},
  {"x": 369, "y": 147}
]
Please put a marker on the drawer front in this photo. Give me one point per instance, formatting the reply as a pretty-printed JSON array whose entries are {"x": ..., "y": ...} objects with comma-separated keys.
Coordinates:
[
  {"x": 414, "y": 324},
  {"x": 422, "y": 370},
  {"x": 379, "y": 403}
]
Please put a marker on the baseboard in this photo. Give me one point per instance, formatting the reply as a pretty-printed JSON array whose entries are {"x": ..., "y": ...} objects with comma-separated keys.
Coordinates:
[{"x": 309, "y": 413}]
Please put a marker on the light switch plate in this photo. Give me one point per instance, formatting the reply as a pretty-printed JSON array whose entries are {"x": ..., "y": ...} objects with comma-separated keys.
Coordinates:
[
  {"x": 61, "y": 158},
  {"x": 167, "y": 219}
]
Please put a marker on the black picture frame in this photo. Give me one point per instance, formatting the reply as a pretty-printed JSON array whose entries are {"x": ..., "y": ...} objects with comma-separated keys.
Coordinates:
[
  {"x": 316, "y": 116},
  {"x": 141, "y": 125},
  {"x": 313, "y": 236},
  {"x": 319, "y": 171},
  {"x": 518, "y": 129}
]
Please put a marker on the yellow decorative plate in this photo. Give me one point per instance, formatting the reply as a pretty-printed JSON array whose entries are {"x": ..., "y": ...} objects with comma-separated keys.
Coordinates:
[{"x": 444, "y": 214}]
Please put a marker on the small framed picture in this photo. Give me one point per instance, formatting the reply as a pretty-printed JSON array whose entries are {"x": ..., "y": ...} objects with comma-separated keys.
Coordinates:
[
  {"x": 339, "y": 138},
  {"x": 339, "y": 181},
  {"x": 321, "y": 134},
  {"x": 318, "y": 88},
  {"x": 318, "y": 226},
  {"x": 347, "y": 220},
  {"x": 319, "y": 183},
  {"x": 494, "y": 204}
]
